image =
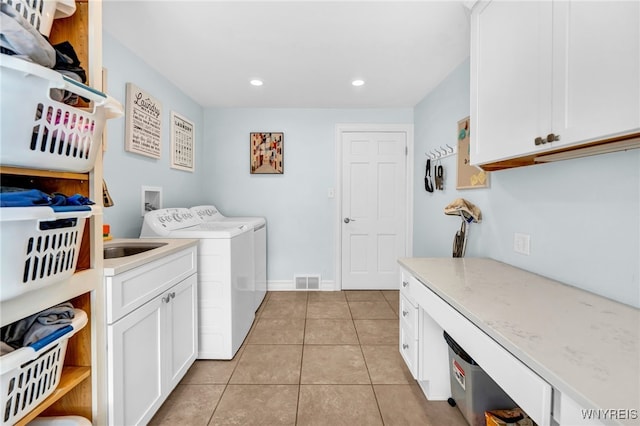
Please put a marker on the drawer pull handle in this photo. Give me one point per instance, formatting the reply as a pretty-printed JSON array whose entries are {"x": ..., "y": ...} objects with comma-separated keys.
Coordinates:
[
  {"x": 405, "y": 346},
  {"x": 405, "y": 313},
  {"x": 405, "y": 283}
]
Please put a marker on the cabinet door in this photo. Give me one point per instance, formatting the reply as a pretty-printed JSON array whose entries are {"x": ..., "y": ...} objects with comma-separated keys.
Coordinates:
[
  {"x": 181, "y": 329},
  {"x": 134, "y": 362},
  {"x": 510, "y": 78},
  {"x": 596, "y": 69}
]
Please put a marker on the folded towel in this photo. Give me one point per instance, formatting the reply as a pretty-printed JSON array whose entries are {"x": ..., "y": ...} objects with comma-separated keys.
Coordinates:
[
  {"x": 19, "y": 197},
  {"x": 35, "y": 327}
]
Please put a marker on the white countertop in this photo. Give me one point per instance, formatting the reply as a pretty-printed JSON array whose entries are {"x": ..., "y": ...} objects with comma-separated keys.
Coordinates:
[
  {"x": 122, "y": 264},
  {"x": 584, "y": 345}
]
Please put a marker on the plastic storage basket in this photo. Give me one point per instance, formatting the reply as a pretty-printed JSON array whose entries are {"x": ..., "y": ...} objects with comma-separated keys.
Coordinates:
[
  {"x": 39, "y": 247},
  {"x": 60, "y": 421},
  {"x": 41, "y": 13},
  {"x": 30, "y": 374},
  {"x": 39, "y": 132}
]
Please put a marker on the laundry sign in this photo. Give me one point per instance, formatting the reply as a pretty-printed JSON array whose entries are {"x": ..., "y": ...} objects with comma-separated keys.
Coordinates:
[{"x": 143, "y": 129}]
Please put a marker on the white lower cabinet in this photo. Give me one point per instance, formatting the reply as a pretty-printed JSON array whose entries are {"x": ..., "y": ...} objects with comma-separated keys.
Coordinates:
[
  {"x": 150, "y": 351},
  {"x": 568, "y": 412},
  {"x": 152, "y": 334},
  {"x": 408, "y": 335}
]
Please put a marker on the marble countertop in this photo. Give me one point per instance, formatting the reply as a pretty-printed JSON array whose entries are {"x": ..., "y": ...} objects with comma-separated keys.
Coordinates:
[
  {"x": 584, "y": 345},
  {"x": 122, "y": 264}
]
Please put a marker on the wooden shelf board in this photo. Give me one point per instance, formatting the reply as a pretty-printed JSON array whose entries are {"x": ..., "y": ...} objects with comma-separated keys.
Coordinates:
[
  {"x": 43, "y": 173},
  {"x": 71, "y": 377}
]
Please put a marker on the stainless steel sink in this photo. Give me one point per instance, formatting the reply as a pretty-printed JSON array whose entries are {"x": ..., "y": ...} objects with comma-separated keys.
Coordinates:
[{"x": 113, "y": 251}]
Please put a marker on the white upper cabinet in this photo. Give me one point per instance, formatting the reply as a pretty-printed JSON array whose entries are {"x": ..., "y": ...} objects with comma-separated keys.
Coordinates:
[
  {"x": 549, "y": 75},
  {"x": 596, "y": 69}
]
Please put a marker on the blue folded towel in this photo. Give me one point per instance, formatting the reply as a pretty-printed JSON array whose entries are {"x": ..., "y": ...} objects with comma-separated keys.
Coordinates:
[{"x": 17, "y": 197}]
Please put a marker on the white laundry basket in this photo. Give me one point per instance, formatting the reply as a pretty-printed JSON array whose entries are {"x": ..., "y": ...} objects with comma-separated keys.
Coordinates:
[
  {"x": 30, "y": 374},
  {"x": 39, "y": 132},
  {"x": 60, "y": 421},
  {"x": 41, "y": 13},
  {"x": 39, "y": 247}
]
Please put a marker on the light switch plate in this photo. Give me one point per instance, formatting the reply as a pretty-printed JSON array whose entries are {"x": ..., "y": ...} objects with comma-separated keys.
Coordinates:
[{"x": 522, "y": 243}]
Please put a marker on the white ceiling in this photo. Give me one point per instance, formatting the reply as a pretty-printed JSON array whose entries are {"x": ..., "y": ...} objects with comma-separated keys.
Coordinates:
[{"x": 306, "y": 52}]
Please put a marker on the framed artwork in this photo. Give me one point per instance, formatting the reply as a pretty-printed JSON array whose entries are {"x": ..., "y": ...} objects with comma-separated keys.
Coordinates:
[
  {"x": 266, "y": 153},
  {"x": 143, "y": 127},
  {"x": 469, "y": 177},
  {"x": 182, "y": 143}
]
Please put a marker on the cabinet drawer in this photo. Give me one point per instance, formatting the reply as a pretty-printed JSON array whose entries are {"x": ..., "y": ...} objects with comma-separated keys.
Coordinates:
[
  {"x": 131, "y": 289},
  {"x": 408, "y": 315},
  {"x": 406, "y": 282},
  {"x": 524, "y": 386},
  {"x": 409, "y": 349}
]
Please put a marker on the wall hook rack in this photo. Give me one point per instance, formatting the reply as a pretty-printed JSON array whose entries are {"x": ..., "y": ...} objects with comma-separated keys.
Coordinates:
[{"x": 441, "y": 152}]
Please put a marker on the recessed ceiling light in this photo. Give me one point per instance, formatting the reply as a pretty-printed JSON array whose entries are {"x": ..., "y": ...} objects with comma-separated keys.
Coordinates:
[
  {"x": 256, "y": 82},
  {"x": 357, "y": 82}
]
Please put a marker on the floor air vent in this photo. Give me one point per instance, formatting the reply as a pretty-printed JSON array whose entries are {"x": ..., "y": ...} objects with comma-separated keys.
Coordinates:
[{"x": 307, "y": 282}]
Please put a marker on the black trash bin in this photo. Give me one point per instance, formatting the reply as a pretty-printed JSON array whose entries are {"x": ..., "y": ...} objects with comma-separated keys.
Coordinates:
[{"x": 472, "y": 390}]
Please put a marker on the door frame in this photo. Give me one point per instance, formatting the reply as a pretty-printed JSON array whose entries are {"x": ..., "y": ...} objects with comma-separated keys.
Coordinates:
[{"x": 373, "y": 127}]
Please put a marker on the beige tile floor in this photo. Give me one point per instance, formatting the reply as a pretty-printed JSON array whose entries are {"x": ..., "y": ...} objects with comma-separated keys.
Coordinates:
[{"x": 311, "y": 358}]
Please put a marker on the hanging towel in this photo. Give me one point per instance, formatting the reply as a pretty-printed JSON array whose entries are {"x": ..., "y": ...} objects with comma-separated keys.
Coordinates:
[{"x": 462, "y": 207}]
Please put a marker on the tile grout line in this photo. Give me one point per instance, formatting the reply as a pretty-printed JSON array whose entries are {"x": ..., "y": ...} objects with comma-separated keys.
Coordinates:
[
  {"x": 304, "y": 333},
  {"x": 246, "y": 342}
]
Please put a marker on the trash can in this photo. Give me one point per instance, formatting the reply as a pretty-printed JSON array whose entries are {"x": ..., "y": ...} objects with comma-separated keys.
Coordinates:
[{"x": 472, "y": 390}]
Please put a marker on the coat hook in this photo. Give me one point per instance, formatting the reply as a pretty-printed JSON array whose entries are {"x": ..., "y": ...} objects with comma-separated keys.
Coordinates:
[{"x": 450, "y": 148}]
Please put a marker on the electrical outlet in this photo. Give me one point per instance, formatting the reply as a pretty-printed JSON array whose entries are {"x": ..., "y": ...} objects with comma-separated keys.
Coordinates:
[{"x": 522, "y": 243}]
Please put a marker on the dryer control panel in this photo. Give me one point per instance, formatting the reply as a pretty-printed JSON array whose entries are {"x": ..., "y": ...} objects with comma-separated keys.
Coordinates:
[{"x": 163, "y": 221}]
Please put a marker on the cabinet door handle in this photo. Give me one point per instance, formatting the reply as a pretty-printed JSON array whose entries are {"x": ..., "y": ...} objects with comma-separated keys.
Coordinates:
[
  {"x": 405, "y": 283},
  {"x": 540, "y": 141},
  {"x": 405, "y": 346},
  {"x": 552, "y": 138},
  {"x": 405, "y": 313},
  {"x": 172, "y": 294},
  {"x": 167, "y": 299}
]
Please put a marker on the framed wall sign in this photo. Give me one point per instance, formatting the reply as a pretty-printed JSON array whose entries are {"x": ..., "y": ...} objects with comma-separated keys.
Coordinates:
[
  {"x": 182, "y": 143},
  {"x": 143, "y": 128},
  {"x": 266, "y": 152}
]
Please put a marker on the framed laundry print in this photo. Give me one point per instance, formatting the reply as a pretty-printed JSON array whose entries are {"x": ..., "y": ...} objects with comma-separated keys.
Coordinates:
[
  {"x": 266, "y": 150},
  {"x": 469, "y": 176},
  {"x": 182, "y": 143},
  {"x": 143, "y": 127}
]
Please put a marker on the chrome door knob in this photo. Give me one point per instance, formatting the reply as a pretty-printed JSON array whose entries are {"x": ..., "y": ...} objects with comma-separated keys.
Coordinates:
[{"x": 348, "y": 219}]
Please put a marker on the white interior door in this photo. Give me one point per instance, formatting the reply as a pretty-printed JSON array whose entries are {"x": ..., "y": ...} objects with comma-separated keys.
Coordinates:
[{"x": 373, "y": 205}]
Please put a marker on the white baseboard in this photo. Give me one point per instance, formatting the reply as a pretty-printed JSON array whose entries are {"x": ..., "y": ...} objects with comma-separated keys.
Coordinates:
[{"x": 290, "y": 285}]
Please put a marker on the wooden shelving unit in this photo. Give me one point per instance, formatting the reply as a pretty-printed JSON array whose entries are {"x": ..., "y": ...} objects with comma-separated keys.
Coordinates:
[{"x": 81, "y": 389}]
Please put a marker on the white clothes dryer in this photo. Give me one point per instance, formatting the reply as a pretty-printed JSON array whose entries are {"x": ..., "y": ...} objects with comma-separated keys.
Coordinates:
[
  {"x": 225, "y": 276},
  {"x": 209, "y": 213}
]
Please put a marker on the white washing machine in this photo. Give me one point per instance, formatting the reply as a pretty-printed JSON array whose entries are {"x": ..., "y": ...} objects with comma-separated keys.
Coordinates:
[
  {"x": 225, "y": 276},
  {"x": 209, "y": 213}
]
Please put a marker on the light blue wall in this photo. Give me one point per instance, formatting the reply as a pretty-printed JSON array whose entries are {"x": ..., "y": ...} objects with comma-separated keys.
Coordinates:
[
  {"x": 583, "y": 215},
  {"x": 125, "y": 172},
  {"x": 300, "y": 216}
]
